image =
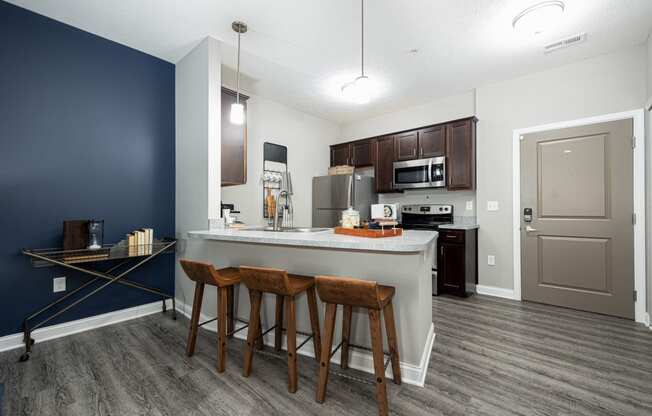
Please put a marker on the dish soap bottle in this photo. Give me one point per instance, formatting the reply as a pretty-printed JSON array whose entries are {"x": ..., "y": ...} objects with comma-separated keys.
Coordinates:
[{"x": 271, "y": 204}]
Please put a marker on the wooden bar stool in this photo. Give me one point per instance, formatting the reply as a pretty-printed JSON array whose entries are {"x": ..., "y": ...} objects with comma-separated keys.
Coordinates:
[
  {"x": 286, "y": 287},
  {"x": 375, "y": 298},
  {"x": 224, "y": 279}
]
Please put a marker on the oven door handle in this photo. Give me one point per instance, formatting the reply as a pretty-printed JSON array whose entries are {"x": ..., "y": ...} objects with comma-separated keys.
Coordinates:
[{"x": 430, "y": 172}]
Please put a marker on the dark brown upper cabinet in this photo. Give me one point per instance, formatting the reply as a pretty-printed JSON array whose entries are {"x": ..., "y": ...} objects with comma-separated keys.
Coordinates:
[
  {"x": 432, "y": 141},
  {"x": 460, "y": 154},
  {"x": 455, "y": 140},
  {"x": 362, "y": 153},
  {"x": 234, "y": 142},
  {"x": 384, "y": 166},
  {"x": 340, "y": 154},
  {"x": 406, "y": 145}
]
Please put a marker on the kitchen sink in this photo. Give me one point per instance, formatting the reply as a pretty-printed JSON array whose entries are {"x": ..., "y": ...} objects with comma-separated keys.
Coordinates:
[{"x": 287, "y": 230}]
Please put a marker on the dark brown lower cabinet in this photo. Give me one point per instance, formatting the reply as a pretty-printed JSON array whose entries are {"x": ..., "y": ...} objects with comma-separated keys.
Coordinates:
[{"x": 457, "y": 262}]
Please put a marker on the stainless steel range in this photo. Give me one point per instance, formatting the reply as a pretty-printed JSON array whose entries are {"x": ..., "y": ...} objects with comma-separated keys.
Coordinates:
[{"x": 427, "y": 217}]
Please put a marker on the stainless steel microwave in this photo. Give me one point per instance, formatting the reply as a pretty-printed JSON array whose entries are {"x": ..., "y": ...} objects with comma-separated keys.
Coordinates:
[{"x": 420, "y": 173}]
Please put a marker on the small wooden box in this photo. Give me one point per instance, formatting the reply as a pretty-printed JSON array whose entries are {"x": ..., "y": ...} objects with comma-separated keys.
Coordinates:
[{"x": 340, "y": 170}]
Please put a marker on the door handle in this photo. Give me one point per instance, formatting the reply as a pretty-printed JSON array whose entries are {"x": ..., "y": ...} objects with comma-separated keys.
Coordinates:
[{"x": 529, "y": 229}]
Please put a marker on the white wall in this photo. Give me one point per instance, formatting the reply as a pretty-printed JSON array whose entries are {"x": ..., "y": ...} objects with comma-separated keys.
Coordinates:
[
  {"x": 648, "y": 163},
  {"x": 308, "y": 139},
  {"x": 458, "y": 199},
  {"x": 445, "y": 109},
  {"x": 604, "y": 84},
  {"x": 449, "y": 108},
  {"x": 197, "y": 147}
]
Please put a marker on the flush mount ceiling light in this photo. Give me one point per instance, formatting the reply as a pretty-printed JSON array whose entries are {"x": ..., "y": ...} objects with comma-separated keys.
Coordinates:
[
  {"x": 359, "y": 90},
  {"x": 237, "y": 109},
  {"x": 538, "y": 17}
]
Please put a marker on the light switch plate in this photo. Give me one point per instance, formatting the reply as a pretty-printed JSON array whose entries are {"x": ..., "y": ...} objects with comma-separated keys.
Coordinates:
[
  {"x": 491, "y": 260},
  {"x": 492, "y": 205},
  {"x": 59, "y": 284},
  {"x": 469, "y": 205}
]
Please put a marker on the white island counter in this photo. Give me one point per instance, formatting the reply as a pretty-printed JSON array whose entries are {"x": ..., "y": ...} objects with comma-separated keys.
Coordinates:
[{"x": 404, "y": 262}]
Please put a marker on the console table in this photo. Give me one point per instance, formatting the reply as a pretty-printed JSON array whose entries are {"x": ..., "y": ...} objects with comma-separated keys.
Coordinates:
[{"x": 123, "y": 260}]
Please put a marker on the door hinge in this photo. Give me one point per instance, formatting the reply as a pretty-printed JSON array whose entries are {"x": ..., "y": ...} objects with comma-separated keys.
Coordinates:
[
  {"x": 633, "y": 142},
  {"x": 634, "y": 218},
  {"x": 635, "y": 296}
]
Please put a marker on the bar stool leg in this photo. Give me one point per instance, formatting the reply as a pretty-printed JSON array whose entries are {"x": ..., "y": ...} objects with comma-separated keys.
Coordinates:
[
  {"x": 379, "y": 368},
  {"x": 390, "y": 328},
  {"x": 346, "y": 336},
  {"x": 255, "y": 299},
  {"x": 314, "y": 322},
  {"x": 230, "y": 311},
  {"x": 222, "y": 296},
  {"x": 194, "y": 320},
  {"x": 278, "y": 332},
  {"x": 290, "y": 312},
  {"x": 326, "y": 346}
]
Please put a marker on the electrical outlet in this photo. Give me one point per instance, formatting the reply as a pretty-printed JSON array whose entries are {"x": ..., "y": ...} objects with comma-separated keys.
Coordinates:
[
  {"x": 491, "y": 260},
  {"x": 469, "y": 205},
  {"x": 492, "y": 205},
  {"x": 59, "y": 284}
]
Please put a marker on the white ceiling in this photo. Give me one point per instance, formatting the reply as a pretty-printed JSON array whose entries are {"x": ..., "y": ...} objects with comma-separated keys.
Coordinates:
[{"x": 300, "y": 52}]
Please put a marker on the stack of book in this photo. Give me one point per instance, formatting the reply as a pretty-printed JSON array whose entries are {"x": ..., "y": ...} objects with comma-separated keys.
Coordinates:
[{"x": 140, "y": 242}]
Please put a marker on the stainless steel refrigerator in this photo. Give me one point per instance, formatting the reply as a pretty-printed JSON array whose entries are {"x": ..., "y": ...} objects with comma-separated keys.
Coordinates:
[{"x": 333, "y": 194}]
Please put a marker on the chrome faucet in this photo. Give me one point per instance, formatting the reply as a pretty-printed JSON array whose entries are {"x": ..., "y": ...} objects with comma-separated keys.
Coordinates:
[{"x": 281, "y": 194}]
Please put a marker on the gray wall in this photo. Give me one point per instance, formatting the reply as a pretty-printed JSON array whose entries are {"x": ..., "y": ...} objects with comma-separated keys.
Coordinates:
[{"x": 604, "y": 84}]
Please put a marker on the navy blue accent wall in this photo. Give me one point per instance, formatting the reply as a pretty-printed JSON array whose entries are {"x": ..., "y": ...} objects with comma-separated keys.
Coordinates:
[{"x": 86, "y": 131}]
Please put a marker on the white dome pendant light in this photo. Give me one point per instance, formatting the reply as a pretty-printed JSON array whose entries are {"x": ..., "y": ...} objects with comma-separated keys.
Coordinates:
[
  {"x": 358, "y": 90},
  {"x": 237, "y": 108}
]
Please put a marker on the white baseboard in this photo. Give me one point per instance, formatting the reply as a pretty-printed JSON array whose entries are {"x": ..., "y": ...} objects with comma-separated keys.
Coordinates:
[
  {"x": 359, "y": 360},
  {"x": 14, "y": 341},
  {"x": 498, "y": 292}
]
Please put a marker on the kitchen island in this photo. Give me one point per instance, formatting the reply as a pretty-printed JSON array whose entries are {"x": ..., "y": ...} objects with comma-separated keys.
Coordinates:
[{"x": 403, "y": 262}]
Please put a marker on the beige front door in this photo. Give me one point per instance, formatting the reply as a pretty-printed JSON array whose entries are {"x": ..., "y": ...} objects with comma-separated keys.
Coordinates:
[{"x": 578, "y": 249}]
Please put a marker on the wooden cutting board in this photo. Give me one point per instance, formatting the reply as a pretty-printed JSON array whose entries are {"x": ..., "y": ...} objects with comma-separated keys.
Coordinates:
[{"x": 369, "y": 233}]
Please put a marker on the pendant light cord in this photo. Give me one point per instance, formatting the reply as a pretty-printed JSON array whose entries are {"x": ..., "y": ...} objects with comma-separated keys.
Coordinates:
[
  {"x": 362, "y": 35},
  {"x": 237, "y": 82}
]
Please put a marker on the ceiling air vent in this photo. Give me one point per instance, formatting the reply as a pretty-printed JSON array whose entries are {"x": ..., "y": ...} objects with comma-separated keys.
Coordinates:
[{"x": 565, "y": 43}]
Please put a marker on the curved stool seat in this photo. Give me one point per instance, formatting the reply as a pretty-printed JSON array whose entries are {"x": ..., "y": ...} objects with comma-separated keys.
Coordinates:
[
  {"x": 224, "y": 279},
  {"x": 351, "y": 293},
  {"x": 286, "y": 287}
]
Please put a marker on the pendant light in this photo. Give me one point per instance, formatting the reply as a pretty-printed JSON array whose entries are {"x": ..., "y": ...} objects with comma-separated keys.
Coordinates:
[
  {"x": 237, "y": 109},
  {"x": 358, "y": 90}
]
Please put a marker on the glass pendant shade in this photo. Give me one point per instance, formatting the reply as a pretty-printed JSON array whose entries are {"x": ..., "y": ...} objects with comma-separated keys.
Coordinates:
[
  {"x": 357, "y": 91},
  {"x": 237, "y": 113}
]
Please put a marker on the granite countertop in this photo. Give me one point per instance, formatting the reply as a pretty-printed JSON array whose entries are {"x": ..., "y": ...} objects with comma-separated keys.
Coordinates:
[
  {"x": 410, "y": 242},
  {"x": 461, "y": 223},
  {"x": 459, "y": 226}
]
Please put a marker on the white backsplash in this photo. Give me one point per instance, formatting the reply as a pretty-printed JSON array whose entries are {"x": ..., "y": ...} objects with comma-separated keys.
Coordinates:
[{"x": 458, "y": 199}]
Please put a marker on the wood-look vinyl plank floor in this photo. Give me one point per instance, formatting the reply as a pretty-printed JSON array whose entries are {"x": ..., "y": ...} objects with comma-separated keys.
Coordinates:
[{"x": 491, "y": 357}]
